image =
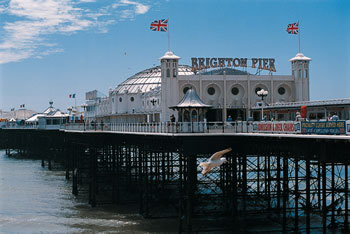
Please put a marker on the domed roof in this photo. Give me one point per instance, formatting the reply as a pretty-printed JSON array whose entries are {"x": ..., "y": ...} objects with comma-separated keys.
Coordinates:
[
  {"x": 169, "y": 55},
  {"x": 300, "y": 56},
  {"x": 147, "y": 80}
]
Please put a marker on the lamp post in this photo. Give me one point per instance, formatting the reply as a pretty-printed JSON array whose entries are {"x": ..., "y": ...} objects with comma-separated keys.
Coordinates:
[{"x": 262, "y": 93}]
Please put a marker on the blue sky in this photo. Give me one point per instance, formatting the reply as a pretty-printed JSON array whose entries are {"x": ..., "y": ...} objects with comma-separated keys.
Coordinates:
[{"x": 52, "y": 48}]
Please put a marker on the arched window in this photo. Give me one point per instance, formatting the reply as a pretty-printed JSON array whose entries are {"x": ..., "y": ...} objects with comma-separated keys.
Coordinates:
[
  {"x": 186, "y": 116},
  {"x": 194, "y": 116},
  {"x": 168, "y": 72},
  {"x": 174, "y": 72}
]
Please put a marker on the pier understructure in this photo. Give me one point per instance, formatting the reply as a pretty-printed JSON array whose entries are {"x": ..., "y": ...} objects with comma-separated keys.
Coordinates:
[{"x": 283, "y": 184}]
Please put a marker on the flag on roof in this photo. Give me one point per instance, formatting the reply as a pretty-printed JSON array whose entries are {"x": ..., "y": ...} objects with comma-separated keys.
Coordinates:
[
  {"x": 72, "y": 95},
  {"x": 293, "y": 28},
  {"x": 159, "y": 25}
]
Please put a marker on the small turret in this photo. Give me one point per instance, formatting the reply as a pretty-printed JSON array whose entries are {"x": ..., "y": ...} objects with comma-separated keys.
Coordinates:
[
  {"x": 300, "y": 73},
  {"x": 169, "y": 97}
]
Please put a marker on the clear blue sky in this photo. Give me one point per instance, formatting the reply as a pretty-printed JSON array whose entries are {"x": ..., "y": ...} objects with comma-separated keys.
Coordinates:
[{"x": 52, "y": 48}]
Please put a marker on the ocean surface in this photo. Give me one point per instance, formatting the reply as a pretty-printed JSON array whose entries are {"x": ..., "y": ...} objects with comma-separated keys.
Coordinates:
[{"x": 36, "y": 200}]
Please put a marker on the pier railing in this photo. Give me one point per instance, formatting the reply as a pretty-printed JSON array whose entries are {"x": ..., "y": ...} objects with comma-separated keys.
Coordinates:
[
  {"x": 291, "y": 127},
  {"x": 189, "y": 127}
]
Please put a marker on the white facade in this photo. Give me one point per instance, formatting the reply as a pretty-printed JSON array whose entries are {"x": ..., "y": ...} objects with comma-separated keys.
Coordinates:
[{"x": 147, "y": 96}]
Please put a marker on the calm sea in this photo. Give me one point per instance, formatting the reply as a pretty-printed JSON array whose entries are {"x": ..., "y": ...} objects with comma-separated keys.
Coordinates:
[{"x": 36, "y": 200}]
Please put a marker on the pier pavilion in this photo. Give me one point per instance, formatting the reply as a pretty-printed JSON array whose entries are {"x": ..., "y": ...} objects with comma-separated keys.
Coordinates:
[{"x": 147, "y": 95}]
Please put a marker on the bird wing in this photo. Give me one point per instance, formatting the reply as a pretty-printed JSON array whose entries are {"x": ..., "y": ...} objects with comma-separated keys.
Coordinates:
[{"x": 218, "y": 154}]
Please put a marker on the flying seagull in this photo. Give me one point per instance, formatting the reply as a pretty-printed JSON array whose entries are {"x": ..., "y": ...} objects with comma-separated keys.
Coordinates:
[{"x": 214, "y": 161}]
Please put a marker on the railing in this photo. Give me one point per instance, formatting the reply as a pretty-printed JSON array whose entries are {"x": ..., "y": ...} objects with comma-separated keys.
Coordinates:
[
  {"x": 313, "y": 127},
  {"x": 157, "y": 127},
  {"x": 166, "y": 127}
]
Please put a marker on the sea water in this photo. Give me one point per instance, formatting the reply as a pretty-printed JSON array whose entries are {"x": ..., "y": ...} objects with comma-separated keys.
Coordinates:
[{"x": 36, "y": 200}]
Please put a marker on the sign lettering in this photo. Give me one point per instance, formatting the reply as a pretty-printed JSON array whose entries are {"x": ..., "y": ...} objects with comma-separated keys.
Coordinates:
[{"x": 260, "y": 63}]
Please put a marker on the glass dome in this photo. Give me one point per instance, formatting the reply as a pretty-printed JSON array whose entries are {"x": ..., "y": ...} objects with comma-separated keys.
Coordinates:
[{"x": 148, "y": 79}]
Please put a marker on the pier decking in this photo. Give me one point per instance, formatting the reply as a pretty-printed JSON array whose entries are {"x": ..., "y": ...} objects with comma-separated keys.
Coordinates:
[{"x": 277, "y": 182}]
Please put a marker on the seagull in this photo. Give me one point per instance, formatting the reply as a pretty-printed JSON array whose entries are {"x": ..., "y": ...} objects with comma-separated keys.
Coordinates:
[{"x": 214, "y": 161}]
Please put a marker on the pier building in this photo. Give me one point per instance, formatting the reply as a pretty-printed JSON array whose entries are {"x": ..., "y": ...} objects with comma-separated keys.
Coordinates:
[{"x": 147, "y": 95}]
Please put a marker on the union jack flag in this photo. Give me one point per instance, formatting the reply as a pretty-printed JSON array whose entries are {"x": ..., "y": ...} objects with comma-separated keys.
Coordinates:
[
  {"x": 159, "y": 25},
  {"x": 293, "y": 28}
]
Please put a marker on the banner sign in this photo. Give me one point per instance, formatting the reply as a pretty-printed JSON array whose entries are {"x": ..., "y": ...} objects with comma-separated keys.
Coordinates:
[
  {"x": 277, "y": 127},
  {"x": 324, "y": 127},
  {"x": 260, "y": 63}
]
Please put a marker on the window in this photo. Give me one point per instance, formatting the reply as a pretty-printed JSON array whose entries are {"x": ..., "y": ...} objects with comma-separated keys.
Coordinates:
[
  {"x": 299, "y": 73},
  {"x": 174, "y": 72},
  {"x": 306, "y": 73},
  {"x": 211, "y": 91},
  {"x": 120, "y": 99},
  {"x": 168, "y": 72},
  {"x": 257, "y": 90},
  {"x": 281, "y": 90},
  {"x": 186, "y": 89},
  {"x": 234, "y": 90},
  {"x": 132, "y": 99}
]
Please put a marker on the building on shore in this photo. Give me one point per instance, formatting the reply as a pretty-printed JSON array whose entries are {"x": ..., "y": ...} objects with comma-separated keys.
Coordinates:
[
  {"x": 148, "y": 95},
  {"x": 17, "y": 115}
]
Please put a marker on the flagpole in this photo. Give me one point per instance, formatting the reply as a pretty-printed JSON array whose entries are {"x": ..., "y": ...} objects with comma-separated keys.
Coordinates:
[
  {"x": 168, "y": 35},
  {"x": 299, "y": 35}
]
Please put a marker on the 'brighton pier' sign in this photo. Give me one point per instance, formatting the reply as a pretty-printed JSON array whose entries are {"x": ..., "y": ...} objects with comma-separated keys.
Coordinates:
[{"x": 260, "y": 63}]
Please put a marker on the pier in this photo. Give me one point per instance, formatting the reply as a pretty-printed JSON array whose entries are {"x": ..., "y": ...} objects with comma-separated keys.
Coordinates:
[{"x": 274, "y": 182}]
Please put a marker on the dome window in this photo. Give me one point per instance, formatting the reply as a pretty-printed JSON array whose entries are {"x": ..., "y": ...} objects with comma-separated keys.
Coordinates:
[
  {"x": 211, "y": 91},
  {"x": 120, "y": 99},
  {"x": 235, "y": 91},
  {"x": 132, "y": 99},
  {"x": 281, "y": 90}
]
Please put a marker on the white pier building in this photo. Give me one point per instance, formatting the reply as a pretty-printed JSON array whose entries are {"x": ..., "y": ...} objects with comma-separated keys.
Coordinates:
[{"x": 147, "y": 95}]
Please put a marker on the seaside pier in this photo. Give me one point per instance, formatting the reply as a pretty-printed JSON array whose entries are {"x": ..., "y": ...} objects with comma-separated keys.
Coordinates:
[{"x": 272, "y": 182}]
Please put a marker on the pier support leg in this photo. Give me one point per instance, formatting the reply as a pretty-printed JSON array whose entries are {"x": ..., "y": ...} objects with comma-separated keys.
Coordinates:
[
  {"x": 324, "y": 198},
  {"x": 285, "y": 193},
  {"x": 42, "y": 163},
  {"x": 346, "y": 212},
  {"x": 75, "y": 182},
  {"x": 49, "y": 166},
  {"x": 308, "y": 203},
  {"x": 333, "y": 194},
  {"x": 296, "y": 198}
]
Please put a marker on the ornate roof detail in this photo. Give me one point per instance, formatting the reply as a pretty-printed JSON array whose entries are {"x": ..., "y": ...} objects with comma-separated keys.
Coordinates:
[{"x": 190, "y": 100}]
